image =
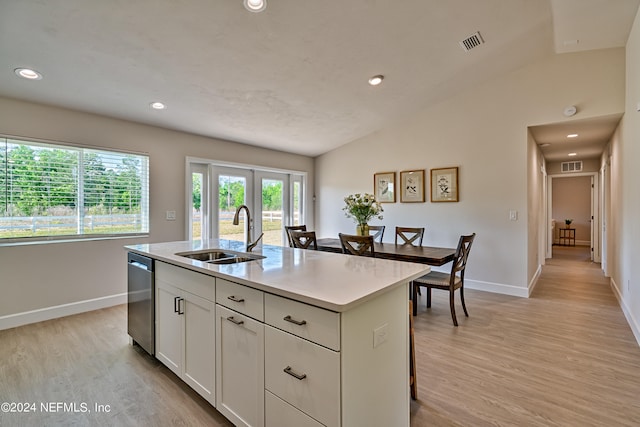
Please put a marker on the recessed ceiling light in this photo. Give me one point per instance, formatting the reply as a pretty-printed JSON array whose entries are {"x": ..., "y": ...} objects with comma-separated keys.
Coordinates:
[
  {"x": 572, "y": 154},
  {"x": 255, "y": 5},
  {"x": 28, "y": 73},
  {"x": 376, "y": 80},
  {"x": 546, "y": 144},
  {"x": 158, "y": 105},
  {"x": 572, "y": 135}
]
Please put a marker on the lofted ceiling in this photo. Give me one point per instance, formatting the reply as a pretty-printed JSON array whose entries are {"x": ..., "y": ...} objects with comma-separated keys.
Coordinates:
[{"x": 291, "y": 78}]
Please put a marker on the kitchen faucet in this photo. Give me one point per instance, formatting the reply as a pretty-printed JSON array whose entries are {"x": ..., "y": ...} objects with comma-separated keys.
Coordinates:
[{"x": 236, "y": 221}]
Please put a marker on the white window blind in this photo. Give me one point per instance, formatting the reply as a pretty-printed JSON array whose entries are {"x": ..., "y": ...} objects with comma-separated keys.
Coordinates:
[{"x": 49, "y": 190}]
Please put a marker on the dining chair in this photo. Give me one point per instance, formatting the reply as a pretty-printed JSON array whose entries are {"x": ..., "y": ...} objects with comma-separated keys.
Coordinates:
[
  {"x": 409, "y": 235},
  {"x": 289, "y": 228},
  {"x": 447, "y": 281},
  {"x": 377, "y": 231},
  {"x": 304, "y": 239},
  {"x": 357, "y": 245}
]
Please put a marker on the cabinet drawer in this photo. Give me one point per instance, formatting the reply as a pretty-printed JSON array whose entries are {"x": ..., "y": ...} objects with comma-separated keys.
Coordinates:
[
  {"x": 190, "y": 281},
  {"x": 303, "y": 374},
  {"x": 279, "y": 413},
  {"x": 240, "y": 298},
  {"x": 306, "y": 321}
]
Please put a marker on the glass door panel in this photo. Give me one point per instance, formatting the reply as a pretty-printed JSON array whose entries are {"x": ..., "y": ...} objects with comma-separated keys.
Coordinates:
[
  {"x": 196, "y": 205},
  {"x": 232, "y": 193},
  {"x": 273, "y": 211}
]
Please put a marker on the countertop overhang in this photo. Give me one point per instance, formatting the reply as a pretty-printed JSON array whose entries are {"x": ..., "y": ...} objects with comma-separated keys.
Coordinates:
[{"x": 335, "y": 282}]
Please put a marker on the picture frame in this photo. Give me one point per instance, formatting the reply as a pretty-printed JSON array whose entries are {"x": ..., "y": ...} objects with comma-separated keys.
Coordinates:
[
  {"x": 384, "y": 184},
  {"x": 412, "y": 186},
  {"x": 444, "y": 184}
]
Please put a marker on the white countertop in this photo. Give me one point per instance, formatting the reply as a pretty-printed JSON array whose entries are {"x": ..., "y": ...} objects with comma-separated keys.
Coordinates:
[{"x": 332, "y": 281}]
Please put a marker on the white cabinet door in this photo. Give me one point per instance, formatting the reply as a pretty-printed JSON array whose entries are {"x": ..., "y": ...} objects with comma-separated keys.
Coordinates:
[
  {"x": 199, "y": 345},
  {"x": 168, "y": 327},
  {"x": 240, "y": 367}
]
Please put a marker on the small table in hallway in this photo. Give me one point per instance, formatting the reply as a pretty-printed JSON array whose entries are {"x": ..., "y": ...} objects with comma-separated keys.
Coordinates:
[{"x": 567, "y": 236}]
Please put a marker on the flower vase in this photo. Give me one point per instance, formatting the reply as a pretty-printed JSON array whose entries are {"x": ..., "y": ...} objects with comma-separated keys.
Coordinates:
[{"x": 362, "y": 229}]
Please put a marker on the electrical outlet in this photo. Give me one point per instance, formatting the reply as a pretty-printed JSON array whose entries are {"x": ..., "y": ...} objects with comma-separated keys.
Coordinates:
[
  {"x": 171, "y": 215},
  {"x": 380, "y": 335}
]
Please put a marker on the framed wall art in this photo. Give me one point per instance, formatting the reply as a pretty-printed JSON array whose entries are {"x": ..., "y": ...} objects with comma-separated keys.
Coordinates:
[
  {"x": 412, "y": 186},
  {"x": 384, "y": 187},
  {"x": 444, "y": 184}
]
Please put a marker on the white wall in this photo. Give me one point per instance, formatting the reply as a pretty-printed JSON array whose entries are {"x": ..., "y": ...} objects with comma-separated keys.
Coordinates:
[
  {"x": 484, "y": 132},
  {"x": 37, "y": 277},
  {"x": 623, "y": 228}
]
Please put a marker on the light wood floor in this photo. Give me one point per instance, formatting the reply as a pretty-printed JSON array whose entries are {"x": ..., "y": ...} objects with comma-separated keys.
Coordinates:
[{"x": 564, "y": 357}]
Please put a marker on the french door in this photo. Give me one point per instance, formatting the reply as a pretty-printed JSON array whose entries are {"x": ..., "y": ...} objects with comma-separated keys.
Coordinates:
[{"x": 274, "y": 200}]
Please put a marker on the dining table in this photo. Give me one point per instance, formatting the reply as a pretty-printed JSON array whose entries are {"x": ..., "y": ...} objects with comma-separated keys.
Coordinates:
[{"x": 419, "y": 254}]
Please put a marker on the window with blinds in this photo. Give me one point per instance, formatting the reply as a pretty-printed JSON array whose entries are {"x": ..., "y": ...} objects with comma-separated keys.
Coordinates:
[{"x": 50, "y": 191}]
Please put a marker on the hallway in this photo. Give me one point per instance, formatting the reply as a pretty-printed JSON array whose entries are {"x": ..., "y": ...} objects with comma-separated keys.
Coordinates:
[{"x": 564, "y": 357}]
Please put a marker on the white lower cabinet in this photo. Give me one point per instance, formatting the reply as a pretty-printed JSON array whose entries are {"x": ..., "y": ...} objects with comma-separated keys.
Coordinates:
[
  {"x": 266, "y": 360},
  {"x": 303, "y": 374},
  {"x": 240, "y": 367},
  {"x": 279, "y": 413},
  {"x": 185, "y": 326}
]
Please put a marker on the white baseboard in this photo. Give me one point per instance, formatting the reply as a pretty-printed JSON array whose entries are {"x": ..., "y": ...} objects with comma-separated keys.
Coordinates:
[
  {"x": 48, "y": 313},
  {"x": 534, "y": 280},
  {"x": 497, "y": 288},
  {"x": 632, "y": 321}
]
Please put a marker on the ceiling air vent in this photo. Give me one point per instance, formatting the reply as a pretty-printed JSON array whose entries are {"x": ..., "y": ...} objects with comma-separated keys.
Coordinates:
[
  {"x": 472, "y": 41},
  {"x": 571, "y": 166}
]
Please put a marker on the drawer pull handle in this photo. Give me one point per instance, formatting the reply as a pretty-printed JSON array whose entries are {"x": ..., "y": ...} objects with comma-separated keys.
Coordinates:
[
  {"x": 294, "y": 321},
  {"x": 290, "y": 371},
  {"x": 235, "y": 298},
  {"x": 237, "y": 322}
]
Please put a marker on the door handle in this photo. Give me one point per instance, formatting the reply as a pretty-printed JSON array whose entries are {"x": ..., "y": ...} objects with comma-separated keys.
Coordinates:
[
  {"x": 175, "y": 304},
  {"x": 181, "y": 306}
]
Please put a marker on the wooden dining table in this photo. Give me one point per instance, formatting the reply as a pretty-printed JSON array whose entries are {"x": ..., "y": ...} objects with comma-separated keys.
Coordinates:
[{"x": 419, "y": 254}]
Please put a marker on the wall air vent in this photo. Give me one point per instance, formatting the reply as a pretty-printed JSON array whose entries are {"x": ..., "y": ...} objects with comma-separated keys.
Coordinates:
[
  {"x": 571, "y": 166},
  {"x": 472, "y": 41}
]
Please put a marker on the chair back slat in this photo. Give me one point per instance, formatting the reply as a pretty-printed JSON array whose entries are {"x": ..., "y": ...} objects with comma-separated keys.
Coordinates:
[
  {"x": 410, "y": 235},
  {"x": 304, "y": 239},
  {"x": 377, "y": 231},
  {"x": 289, "y": 228},
  {"x": 357, "y": 245},
  {"x": 462, "y": 253}
]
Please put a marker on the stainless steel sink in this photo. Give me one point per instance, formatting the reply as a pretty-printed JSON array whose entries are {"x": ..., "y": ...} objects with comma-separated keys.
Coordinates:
[{"x": 219, "y": 256}]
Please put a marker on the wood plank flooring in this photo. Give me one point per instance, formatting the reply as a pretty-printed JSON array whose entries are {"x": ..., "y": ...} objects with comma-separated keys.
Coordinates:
[{"x": 565, "y": 357}]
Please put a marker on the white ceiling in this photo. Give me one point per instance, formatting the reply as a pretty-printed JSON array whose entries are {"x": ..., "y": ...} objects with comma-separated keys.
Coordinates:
[{"x": 292, "y": 78}]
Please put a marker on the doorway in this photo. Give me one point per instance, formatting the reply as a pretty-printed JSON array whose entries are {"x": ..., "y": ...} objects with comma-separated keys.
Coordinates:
[{"x": 573, "y": 212}]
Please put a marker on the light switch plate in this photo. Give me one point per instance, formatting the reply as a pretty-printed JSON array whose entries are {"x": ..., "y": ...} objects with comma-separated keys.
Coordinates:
[
  {"x": 171, "y": 215},
  {"x": 513, "y": 215}
]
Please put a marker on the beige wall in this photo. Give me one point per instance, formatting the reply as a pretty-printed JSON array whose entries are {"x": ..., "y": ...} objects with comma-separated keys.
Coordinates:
[
  {"x": 484, "y": 132},
  {"x": 35, "y": 277}
]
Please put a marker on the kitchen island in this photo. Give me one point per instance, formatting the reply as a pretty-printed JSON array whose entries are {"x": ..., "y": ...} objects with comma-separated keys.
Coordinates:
[{"x": 295, "y": 337}]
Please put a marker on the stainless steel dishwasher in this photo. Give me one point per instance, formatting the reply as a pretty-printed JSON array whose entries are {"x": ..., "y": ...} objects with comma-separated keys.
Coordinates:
[{"x": 141, "y": 301}]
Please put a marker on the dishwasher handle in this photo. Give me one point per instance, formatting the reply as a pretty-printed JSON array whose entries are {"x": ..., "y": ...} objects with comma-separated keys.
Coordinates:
[{"x": 139, "y": 265}]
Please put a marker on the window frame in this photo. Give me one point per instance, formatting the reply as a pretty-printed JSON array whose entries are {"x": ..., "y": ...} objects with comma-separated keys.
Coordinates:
[{"x": 78, "y": 180}]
